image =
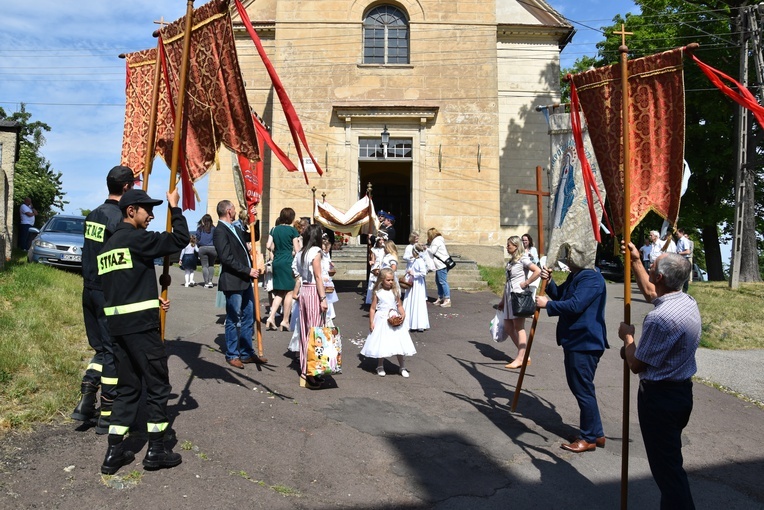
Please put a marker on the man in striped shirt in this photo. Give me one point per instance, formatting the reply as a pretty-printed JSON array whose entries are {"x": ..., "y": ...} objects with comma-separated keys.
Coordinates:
[{"x": 665, "y": 362}]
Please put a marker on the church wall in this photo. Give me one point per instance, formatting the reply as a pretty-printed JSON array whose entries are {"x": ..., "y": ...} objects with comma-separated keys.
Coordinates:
[
  {"x": 458, "y": 154},
  {"x": 523, "y": 132}
]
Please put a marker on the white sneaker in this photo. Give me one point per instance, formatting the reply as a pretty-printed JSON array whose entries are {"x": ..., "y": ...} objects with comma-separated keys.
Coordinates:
[
  {"x": 446, "y": 303},
  {"x": 381, "y": 371},
  {"x": 208, "y": 285},
  {"x": 404, "y": 373}
]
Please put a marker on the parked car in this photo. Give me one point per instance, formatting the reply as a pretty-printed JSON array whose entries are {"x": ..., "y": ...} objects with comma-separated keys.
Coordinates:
[
  {"x": 698, "y": 274},
  {"x": 611, "y": 269},
  {"x": 59, "y": 242}
]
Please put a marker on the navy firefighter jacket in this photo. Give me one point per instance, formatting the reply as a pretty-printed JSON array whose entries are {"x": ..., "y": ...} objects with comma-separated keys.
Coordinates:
[{"x": 126, "y": 267}]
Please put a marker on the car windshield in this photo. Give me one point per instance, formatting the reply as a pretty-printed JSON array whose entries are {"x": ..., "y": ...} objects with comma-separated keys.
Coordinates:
[{"x": 67, "y": 225}]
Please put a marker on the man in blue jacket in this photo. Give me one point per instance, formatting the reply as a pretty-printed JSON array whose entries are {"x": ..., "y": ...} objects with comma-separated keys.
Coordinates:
[{"x": 580, "y": 305}]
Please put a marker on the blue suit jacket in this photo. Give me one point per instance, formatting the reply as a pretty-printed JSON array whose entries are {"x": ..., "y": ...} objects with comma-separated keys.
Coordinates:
[{"x": 580, "y": 304}]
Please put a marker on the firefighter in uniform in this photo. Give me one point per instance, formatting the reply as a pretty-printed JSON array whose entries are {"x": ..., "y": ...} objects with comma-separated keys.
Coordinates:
[
  {"x": 126, "y": 266},
  {"x": 101, "y": 371}
]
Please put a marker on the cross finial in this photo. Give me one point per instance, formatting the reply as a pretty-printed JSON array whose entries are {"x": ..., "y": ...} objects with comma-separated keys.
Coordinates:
[
  {"x": 161, "y": 22},
  {"x": 623, "y": 33}
]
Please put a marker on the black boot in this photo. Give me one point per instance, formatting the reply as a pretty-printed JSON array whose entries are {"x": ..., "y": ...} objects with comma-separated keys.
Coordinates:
[
  {"x": 158, "y": 456},
  {"x": 102, "y": 427},
  {"x": 116, "y": 456},
  {"x": 85, "y": 410}
]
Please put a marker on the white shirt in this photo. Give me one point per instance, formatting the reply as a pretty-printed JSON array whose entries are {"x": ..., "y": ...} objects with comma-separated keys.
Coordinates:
[{"x": 26, "y": 220}]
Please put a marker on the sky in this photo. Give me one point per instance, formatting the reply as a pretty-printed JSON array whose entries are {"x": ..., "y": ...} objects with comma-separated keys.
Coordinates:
[{"x": 63, "y": 64}]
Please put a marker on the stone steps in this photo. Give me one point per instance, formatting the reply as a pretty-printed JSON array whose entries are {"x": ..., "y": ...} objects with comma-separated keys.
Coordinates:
[{"x": 350, "y": 263}]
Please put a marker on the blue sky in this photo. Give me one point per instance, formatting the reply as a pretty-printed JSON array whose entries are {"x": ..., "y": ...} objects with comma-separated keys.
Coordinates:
[{"x": 63, "y": 63}]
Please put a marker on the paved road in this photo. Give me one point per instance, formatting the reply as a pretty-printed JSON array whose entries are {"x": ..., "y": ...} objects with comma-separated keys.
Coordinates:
[{"x": 444, "y": 438}]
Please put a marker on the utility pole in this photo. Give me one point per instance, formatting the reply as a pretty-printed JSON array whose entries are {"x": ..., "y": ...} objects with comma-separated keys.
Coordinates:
[{"x": 743, "y": 23}]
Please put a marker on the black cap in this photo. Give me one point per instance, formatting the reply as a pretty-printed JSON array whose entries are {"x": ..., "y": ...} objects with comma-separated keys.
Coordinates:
[
  {"x": 137, "y": 197},
  {"x": 120, "y": 175}
]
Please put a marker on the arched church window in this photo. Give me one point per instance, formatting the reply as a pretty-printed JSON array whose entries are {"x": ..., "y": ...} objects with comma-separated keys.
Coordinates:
[{"x": 385, "y": 36}]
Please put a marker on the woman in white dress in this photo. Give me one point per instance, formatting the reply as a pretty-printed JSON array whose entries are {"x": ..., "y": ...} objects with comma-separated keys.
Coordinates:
[
  {"x": 530, "y": 250},
  {"x": 385, "y": 340},
  {"x": 521, "y": 272},
  {"x": 415, "y": 302}
]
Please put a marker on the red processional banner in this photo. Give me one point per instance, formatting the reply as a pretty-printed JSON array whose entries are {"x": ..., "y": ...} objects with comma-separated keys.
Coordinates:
[{"x": 656, "y": 89}]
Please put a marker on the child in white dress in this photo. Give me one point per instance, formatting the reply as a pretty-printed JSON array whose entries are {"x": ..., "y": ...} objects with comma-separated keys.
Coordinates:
[
  {"x": 375, "y": 261},
  {"x": 385, "y": 340},
  {"x": 415, "y": 302},
  {"x": 188, "y": 258},
  {"x": 327, "y": 271}
]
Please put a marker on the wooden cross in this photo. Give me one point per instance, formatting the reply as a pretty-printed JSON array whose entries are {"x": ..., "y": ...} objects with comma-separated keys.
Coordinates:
[
  {"x": 161, "y": 22},
  {"x": 623, "y": 33},
  {"x": 540, "y": 194}
]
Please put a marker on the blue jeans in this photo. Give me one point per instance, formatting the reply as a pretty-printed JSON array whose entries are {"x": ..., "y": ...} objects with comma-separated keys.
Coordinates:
[
  {"x": 580, "y": 368},
  {"x": 441, "y": 281},
  {"x": 239, "y": 324}
]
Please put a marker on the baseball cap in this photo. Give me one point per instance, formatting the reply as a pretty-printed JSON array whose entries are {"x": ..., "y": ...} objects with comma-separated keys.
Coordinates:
[
  {"x": 137, "y": 197},
  {"x": 120, "y": 175}
]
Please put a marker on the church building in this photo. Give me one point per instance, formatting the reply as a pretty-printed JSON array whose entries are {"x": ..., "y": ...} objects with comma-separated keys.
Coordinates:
[{"x": 452, "y": 89}]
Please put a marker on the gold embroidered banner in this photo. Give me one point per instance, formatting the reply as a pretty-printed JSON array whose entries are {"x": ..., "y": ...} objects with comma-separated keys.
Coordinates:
[
  {"x": 139, "y": 73},
  {"x": 656, "y": 89},
  {"x": 216, "y": 106}
]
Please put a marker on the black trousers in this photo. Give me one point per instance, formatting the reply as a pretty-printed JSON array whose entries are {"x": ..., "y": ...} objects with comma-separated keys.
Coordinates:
[
  {"x": 102, "y": 369},
  {"x": 664, "y": 409},
  {"x": 141, "y": 358}
]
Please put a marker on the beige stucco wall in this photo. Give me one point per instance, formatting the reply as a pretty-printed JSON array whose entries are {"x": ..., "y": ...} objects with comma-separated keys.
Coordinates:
[
  {"x": 460, "y": 100},
  {"x": 7, "y": 161}
]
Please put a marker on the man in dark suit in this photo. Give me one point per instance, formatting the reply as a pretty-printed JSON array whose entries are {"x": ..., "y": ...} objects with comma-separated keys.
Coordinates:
[
  {"x": 235, "y": 281},
  {"x": 580, "y": 305}
]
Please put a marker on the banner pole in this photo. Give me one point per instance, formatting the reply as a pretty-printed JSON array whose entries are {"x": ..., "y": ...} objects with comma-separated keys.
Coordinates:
[
  {"x": 164, "y": 280},
  {"x": 540, "y": 194},
  {"x": 626, "y": 108}
]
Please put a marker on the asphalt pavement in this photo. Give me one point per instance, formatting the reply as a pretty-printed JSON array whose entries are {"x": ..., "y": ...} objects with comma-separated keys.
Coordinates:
[{"x": 445, "y": 438}]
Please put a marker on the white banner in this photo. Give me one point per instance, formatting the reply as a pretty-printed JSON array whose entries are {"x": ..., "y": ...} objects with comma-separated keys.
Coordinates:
[{"x": 570, "y": 222}]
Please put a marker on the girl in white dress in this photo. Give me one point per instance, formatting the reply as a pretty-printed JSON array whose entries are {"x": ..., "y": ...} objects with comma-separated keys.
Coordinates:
[
  {"x": 375, "y": 261},
  {"x": 385, "y": 340},
  {"x": 188, "y": 258},
  {"x": 415, "y": 302},
  {"x": 327, "y": 270},
  {"x": 521, "y": 272}
]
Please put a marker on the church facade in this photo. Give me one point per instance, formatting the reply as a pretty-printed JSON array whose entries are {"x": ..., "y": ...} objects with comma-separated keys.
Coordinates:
[{"x": 454, "y": 85}]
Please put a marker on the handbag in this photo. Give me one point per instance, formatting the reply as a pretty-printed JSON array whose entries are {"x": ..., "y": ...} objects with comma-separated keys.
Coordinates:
[
  {"x": 268, "y": 277},
  {"x": 449, "y": 262},
  {"x": 324, "y": 351},
  {"x": 523, "y": 303}
]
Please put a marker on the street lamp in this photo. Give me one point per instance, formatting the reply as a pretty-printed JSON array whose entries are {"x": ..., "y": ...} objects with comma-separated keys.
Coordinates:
[{"x": 385, "y": 141}]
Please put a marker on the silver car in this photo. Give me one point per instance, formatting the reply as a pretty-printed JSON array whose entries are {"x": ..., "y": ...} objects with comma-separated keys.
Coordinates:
[{"x": 59, "y": 242}]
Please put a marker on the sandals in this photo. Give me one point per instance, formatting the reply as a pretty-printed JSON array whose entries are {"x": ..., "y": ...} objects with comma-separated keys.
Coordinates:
[
  {"x": 309, "y": 382},
  {"x": 512, "y": 365}
]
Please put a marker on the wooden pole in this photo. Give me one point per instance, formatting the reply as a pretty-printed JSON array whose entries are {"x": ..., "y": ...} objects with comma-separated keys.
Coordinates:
[
  {"x": 164, "y": 280},
  {"x": 258, "y": 326},
  {"x": 540, "y": 194},
  {"x": 625, "y": 103}
]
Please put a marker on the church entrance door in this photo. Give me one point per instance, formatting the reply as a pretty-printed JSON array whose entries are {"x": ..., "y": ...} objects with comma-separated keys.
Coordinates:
[{"x": 391, "y": 191}]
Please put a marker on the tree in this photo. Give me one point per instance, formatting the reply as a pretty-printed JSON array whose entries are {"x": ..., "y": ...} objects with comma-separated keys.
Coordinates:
[
  {"x": 710, "y": 136},
  {"x": 34, "y": 176}
]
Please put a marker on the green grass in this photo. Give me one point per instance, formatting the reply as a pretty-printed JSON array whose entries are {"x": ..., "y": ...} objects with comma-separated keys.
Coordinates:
[
  {"x": 43, "y": 349},
  {"x": 731, "y": 318}
]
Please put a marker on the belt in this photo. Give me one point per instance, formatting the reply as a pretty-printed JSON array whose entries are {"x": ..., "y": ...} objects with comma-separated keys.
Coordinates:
[{"x": 658, "y": 384}]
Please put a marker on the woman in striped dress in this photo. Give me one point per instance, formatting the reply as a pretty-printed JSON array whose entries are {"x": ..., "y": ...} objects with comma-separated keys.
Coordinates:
[{"x": 312, "y": 294}]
